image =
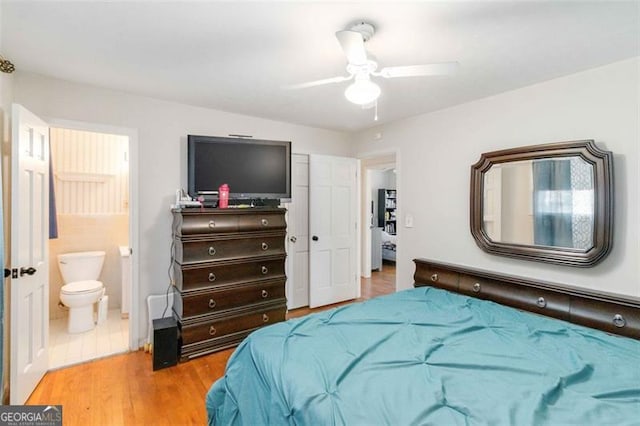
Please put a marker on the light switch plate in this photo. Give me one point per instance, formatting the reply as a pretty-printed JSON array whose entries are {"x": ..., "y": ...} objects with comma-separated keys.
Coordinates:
[{"x": 408, "y": 221}]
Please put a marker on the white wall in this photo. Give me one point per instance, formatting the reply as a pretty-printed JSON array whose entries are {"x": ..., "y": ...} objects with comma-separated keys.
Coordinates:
[
  {"x": 6, "y": 97},
  {"x": 162, "y": 128},
  {"x": 436, "y": 150},
  {"x": 390, "y": 179},
  {"x": 378, "y": 180}
]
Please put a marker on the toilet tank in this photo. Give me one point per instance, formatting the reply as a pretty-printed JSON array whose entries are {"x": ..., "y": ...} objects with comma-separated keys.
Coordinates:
[{"x": 81, "y": 266}]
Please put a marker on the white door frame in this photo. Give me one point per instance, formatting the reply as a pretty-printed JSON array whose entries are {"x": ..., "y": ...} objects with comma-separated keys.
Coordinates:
[
  {"x": 367, "y": 161},
  {"x": 297, "y": 240},
  {"x": 134, "y": 244}
]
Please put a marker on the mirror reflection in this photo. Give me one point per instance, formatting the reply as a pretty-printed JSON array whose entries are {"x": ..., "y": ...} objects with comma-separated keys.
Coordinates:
[{"x": 542, "y": 202}]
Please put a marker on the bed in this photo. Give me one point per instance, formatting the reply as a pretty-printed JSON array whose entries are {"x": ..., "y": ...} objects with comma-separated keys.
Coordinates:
[{"x": 434, "y": 355}]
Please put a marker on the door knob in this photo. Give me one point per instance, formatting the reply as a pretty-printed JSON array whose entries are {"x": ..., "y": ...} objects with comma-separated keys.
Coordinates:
[
  {"x": 28, "y": 271},
  {"x": 314, "y": 238},
  {"x": 293, "y": 239}
]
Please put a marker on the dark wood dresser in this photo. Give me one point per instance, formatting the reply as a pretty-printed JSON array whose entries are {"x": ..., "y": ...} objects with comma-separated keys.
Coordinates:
[{"x": 229, "y": 275}]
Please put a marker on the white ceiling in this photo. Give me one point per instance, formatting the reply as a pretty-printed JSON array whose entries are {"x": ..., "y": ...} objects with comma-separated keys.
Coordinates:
[{"x": 236, "y": 56}]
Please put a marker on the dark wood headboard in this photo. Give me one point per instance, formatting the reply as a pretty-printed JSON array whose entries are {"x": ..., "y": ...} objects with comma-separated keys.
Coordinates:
[{"x": 605, "y": 311}]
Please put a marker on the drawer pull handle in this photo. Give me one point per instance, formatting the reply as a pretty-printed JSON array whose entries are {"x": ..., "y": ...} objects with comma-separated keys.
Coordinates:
[
  {"x": 619, "y": 321},
  {"x": 265, "y": 246},
  {"x": 212, "y": 331},
  {"x": 476, "y": 288},
  {"x": 265, "y": 294},
  {"x": 212, "y": 303},
  {"x": 212, "y": 224},
  {"x": 434, "y": 277},
  {"x": 265, "y": 270},
  {"x": 541, "y": 302},
  {"x": 212, "y": 251},
  {"x": 264, "y": 222},
  {"x": 265, "y": 318},
  {"x": 212, "y": 277}
]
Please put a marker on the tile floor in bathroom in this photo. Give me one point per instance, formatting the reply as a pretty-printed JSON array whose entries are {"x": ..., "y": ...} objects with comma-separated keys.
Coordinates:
[{"x": 109, "y": 338}]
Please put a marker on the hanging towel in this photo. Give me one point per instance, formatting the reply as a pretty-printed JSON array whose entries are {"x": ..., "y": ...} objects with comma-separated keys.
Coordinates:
[{"x": 53, "y": 214}]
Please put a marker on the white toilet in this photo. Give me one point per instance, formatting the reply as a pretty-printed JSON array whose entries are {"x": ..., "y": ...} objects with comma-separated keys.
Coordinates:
[{"x": 80, "y": 272}]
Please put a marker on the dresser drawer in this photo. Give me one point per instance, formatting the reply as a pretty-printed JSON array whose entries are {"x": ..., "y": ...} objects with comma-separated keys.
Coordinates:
[
  {"x": 194, "y": 277},
  {"x": 435, "y": 276},
  {"x": 229, "y": 297},
  {"x": 204, "y": 223},
  {"x": 261, "y": 221},
  {"x": 545, "y": 302},
  {"x": 220, "y": 327},
  {"x": 207, "y": 250}
]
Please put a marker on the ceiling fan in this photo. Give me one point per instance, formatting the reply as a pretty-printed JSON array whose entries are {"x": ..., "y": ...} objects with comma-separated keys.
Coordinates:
[{"x": 360, "y": 68}]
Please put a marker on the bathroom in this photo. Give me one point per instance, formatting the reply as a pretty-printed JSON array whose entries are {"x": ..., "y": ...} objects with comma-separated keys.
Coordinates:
[{"x": 90, "y": 192}]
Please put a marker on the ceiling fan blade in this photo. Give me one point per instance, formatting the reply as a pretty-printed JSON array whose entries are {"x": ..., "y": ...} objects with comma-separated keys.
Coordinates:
[
  {"x": 319, "y": 82},
  {"x": 443, "y": 68},
  {"x": 353, "y": 46}
]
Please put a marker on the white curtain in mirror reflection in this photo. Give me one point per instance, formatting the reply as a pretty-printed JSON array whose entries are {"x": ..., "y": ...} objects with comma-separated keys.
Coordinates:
[{"x": 544, "y": 202}]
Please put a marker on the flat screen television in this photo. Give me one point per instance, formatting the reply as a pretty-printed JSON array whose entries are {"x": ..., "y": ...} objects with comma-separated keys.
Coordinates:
[{"x": 254, "y": 169}]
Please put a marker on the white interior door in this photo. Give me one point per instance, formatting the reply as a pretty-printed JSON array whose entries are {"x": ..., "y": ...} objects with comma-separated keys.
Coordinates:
[
  {"x": 29, "y": 253},
  {"x": 333, "y": 221},
  {"x": 298, "y": 234}
]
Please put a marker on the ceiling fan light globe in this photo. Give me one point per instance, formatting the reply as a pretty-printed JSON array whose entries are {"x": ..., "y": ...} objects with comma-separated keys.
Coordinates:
[{"x": 362, "y": 92}]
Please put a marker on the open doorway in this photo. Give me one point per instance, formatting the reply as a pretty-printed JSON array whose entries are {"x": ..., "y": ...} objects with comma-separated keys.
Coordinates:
[
  {"x": 91, "y": 195},
  {"x": 379, "y": 230}
]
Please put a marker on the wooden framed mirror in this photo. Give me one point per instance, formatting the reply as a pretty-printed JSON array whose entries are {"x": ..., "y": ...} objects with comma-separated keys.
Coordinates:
[{"x": 550, "y": 203}]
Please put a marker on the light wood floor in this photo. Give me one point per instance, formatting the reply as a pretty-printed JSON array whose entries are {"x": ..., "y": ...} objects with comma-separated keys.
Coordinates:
[{"x": 123, "y": 389}]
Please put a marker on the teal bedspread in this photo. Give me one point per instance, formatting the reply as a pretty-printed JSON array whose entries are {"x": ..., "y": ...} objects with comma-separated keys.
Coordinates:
[{"x": 428, "y": 356}]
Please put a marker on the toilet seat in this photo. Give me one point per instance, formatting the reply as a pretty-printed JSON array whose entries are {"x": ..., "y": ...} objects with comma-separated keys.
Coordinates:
[{"x": 81, "y": 287}]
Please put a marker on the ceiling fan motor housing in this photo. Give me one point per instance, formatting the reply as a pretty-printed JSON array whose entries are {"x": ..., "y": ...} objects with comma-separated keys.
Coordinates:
[{"x": 365, "y": 29}]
